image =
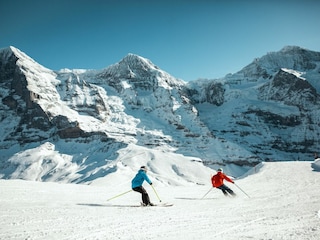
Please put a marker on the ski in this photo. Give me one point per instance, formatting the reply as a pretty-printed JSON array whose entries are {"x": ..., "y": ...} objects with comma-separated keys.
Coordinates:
[
  {"x": 158, "y": 205},
  {"x": 141, "y": 205},
  {"x": 163, "y": 205}
]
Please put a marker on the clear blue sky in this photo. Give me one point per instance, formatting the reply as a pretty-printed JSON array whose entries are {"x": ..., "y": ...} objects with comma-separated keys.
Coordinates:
[{"x": 188, "y": 39}]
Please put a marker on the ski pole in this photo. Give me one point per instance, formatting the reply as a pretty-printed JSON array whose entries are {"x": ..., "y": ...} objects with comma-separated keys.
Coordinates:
[
  {"x": 207, "y": 193},
  {"x": 242, "y": 191},
  {"x": 119, "y": 195},
  {"x": 156, "y": 192}
]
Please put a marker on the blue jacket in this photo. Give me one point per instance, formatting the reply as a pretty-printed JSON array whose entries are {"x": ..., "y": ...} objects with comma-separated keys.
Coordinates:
[{"x": 137, "y": 181}]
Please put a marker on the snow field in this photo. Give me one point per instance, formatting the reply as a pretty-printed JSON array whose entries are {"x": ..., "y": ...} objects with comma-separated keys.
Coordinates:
[{"x": 283, "y": 204}]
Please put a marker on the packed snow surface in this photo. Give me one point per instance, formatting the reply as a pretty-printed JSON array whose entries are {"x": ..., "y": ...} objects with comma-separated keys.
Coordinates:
[{"x": 282, "y": 202}]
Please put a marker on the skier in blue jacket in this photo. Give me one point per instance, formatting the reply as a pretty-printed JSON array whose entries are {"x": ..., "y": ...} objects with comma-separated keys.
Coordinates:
[{"x": 137, "y": 182}]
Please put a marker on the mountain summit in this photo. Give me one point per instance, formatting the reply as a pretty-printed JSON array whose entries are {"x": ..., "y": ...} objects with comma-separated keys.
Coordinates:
[{"x": 96, "y": 122}]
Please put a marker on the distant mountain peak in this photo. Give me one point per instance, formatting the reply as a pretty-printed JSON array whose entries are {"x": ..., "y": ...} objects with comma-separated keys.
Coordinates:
[
  {"x": 6, "y": 53},
  {"x": 139, "y": 71},
  {"x": 134, "y": 61},
  {"x": 290, "y": 57},
  {"x": 290, "y": 48},
  {"x": 14, "y": 54},
  {"x": 132, "y": 56},
  {"x": 9, "y": 49}
]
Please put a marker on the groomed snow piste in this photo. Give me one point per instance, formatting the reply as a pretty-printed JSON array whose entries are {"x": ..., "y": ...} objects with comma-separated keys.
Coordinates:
[{"x": 284, "y": 203}]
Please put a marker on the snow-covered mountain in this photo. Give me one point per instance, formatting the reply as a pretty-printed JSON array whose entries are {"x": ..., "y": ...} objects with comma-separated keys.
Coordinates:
[{"x": 90, "y": 123}]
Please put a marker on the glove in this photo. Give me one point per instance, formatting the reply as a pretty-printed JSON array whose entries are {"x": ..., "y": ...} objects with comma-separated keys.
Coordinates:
[
  {"x": 233, "y": 182},
  {"x": 150, "y": 183}
]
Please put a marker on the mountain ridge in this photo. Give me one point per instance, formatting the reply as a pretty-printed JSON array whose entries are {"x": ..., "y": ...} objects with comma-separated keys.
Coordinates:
[{"x": 266, "y": 111}]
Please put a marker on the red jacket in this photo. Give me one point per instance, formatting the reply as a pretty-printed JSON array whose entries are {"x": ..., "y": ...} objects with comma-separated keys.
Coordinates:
[{"x": 217, "y": 180}]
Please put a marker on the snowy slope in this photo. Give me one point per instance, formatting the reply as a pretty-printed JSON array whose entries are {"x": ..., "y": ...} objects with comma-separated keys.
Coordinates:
[{"x": 283, "y": 204}]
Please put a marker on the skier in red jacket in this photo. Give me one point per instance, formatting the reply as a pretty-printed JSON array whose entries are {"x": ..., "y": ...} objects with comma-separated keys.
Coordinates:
[{"x": 217, "y": 182}]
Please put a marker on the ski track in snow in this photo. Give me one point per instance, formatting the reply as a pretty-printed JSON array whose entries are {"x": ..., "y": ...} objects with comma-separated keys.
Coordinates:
[{"x": 283, "y": 204}]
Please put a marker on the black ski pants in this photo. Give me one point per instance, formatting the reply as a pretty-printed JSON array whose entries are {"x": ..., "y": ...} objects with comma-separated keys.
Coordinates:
[
  {"x": 225, "y": 189},
  {"x": 145, "y": 196}
]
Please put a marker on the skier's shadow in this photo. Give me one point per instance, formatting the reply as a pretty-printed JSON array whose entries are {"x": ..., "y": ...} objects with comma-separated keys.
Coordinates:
[
  {"x": 93, "y": 205},
  {"x": 105, "y": 205}
]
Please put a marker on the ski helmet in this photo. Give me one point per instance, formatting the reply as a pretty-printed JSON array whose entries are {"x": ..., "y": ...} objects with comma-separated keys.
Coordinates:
[{"x": 220, "y": 170}]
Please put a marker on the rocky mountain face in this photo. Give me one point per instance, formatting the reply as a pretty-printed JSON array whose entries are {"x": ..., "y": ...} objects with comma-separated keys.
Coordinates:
[{"x": 269, "y": 110}]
